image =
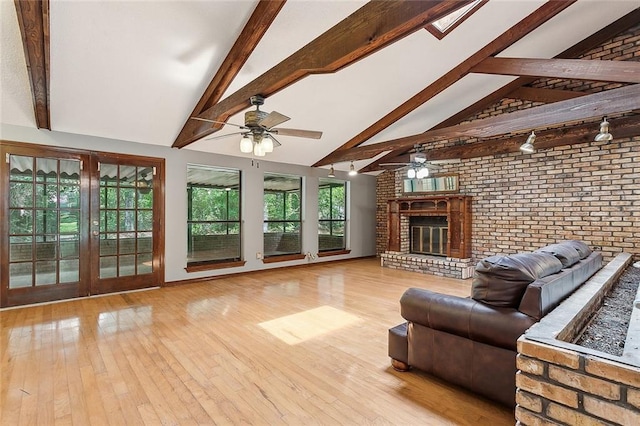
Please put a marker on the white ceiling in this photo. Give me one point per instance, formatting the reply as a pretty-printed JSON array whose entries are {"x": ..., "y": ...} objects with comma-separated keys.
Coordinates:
[{"x": 134, "y": 70}]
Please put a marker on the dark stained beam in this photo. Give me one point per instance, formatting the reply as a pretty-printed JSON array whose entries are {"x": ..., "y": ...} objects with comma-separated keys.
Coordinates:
[
  {"x": 622, "y": 127},
  {"x": 605, "y": 34},
  {"x": 33, "y": 18},
  {"x": 615, "y": 101},
  {"x": 579, "y": 69},
  {"x": 506, "y": 39},
  {"x": 374, "y": 26},
  {"x": 544, "y": 95},
  {"x": 255, "y": 28}
]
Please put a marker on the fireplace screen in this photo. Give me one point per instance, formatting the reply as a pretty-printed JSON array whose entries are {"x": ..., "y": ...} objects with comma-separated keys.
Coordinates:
[{"x": 429, "y": 236}]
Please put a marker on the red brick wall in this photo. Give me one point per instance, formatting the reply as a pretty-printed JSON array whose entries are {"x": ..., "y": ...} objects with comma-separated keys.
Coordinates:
[{"x": 588, "y": 191}]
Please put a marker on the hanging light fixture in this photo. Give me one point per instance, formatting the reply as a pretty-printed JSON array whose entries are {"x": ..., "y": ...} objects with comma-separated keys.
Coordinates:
[
  {"x": 352, "y": 170},
  {"x": 411, "y": 173},
  {"x": 604, "y": 134},
  {"x": 528, "y": 147},
  {"x": 332, "y": 172},
  {"x": 246, "y": 144}
]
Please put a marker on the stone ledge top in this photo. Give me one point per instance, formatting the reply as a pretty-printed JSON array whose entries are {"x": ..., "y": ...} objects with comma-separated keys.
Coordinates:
[{"x": 557, "y": 322}]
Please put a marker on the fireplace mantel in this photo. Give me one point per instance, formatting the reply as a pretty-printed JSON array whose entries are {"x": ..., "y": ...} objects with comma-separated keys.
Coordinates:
[{"x": 456, "y": 208}]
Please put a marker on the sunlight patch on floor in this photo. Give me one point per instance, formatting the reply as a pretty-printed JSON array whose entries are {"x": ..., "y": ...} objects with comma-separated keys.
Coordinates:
[{"x": 297, "y": 328}]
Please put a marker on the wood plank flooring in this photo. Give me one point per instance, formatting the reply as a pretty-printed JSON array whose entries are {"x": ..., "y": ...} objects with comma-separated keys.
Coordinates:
[{"x": 296, "y": 346}]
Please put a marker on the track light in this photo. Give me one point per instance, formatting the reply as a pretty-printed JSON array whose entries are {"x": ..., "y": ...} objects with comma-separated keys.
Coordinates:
[
  {"x": 332, "y": 172},
  {"x": 352, "y": 170},
  {"x": 604, "y": 134},
  {"x": 528, "y": 147}
]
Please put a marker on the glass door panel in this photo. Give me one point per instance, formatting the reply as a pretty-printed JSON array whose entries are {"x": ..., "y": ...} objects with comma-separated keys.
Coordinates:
[
  {"x": 126, "y": 208},
  {"x": 43, "y": 234},
  {"x": 126, "y": 224}
]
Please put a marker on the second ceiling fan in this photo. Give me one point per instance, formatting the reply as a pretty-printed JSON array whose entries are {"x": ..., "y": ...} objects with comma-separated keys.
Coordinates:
[{"x": 258, "y": 132}]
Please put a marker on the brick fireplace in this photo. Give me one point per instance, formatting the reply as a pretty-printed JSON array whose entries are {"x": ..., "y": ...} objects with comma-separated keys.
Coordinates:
[{"x": 430, "y": 235}]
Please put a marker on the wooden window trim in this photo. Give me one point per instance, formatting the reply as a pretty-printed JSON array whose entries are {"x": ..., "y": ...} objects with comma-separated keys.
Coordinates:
[
  {"x": 333, "y": 253},
  {"x": 216, "y": 265},
  {"x": 283, "y": 258}
]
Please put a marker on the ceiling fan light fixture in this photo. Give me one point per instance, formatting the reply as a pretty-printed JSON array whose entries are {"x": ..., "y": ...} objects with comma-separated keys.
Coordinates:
[
  {"x": 332, "y": 172},
  {"x": 267, "y": 144},
  {"x": 411, "y": 173},
  {"x": 246, "y": 145},
  {"x": 352, "y": 170},
  {"x": 422, "y": 173},
  {"x": 528, "y": 147},
  {"x": 258, "y": 151},
  {"x": 604, "y": 134}
]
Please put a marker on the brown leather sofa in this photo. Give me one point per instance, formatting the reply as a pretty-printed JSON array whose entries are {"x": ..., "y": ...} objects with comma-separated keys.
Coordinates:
[{"x": 471, "y": 342}]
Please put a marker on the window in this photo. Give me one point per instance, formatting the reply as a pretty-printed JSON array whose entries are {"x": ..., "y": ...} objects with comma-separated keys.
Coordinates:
[
  {"x": 282, "y": 214},
  {"x": 213, "y": 217},
  {"x": 332, "y": 211}
]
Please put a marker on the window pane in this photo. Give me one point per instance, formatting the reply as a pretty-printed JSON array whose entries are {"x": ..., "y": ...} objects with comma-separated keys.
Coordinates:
[
  {"x": 273, "y": 206},
  {"x": 324, "y": 203},
  {"x": 213, "y": 229},
  {"x": 20, "y": 221},
  {"x": 338, "y": 202},
  {"x": 331, "y": 227}
]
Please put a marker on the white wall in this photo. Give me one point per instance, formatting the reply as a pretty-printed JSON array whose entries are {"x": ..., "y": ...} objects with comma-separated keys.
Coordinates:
[{"x": 361, "y": 198}]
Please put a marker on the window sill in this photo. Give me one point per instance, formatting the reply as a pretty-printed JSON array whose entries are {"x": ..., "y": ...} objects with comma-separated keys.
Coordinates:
[
  {"x": 283, "y": 258},
  {"x": 333, "y": 253},
  {"x": 212, "y": 266}
]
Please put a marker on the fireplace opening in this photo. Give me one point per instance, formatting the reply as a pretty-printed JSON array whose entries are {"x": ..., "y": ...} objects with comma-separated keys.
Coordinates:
[{"x": 428, "y": 235}]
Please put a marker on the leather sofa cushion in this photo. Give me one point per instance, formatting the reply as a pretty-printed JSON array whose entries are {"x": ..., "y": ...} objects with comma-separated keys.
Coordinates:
[
  {"x": 582, "y": 248},
  {"x": 502, "y": 280},
  {"x": 565, "y": 253}
]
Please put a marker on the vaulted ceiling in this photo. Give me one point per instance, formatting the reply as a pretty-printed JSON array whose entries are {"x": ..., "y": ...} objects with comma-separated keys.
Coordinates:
[{"x": 366, "y": 74}]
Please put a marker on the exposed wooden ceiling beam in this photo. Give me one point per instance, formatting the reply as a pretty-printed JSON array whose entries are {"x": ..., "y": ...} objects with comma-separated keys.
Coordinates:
[
  {"x": 506, "y": 39},
  {"x": 607, "y": 33},
  {"x": 615, "y": 101},
  {"x": 33, "y": 18},
  {"x": 544, "y": 95},
  {"x": 579, "y": 69},
  {"x": 372, "y": 27},
  {"x": 622, "y": 127},
  {"x": 255, "y": 28}
]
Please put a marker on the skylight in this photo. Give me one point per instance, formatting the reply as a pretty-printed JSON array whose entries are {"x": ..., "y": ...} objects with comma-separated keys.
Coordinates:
[{"x": 444, "y": 25}]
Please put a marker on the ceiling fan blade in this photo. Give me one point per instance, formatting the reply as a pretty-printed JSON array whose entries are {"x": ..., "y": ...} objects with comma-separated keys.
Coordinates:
[
  {"x": 217, "y": 122},
  {"x": 311, "y": 134},
  {"x": 276, "y": 143},
  {"x": 273, "y": 119},
  {"x": 223, "y": 136},
  {"x": 394, "y": 164}
]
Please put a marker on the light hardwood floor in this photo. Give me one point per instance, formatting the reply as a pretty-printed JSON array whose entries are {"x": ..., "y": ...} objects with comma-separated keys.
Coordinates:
[{"x": 289, "y": 346}]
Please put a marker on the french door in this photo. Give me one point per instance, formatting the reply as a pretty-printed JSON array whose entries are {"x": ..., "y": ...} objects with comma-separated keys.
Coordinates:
[{"x": 76, "y": 223}]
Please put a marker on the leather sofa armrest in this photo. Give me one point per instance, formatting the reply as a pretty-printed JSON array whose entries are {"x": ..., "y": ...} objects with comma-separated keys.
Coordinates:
[{"x": 465, "y": 317}]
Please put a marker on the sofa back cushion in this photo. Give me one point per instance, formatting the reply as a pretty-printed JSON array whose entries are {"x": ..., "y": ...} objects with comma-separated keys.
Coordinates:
[
  {"x": 545, "y": 294},
  {"x": 582, "y": 248},
  {"x": 502, "y": 280},
  {"x": 565, "y": 253}
]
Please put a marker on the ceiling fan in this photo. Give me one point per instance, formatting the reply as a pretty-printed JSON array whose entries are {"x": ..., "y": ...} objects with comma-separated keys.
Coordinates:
[
  {"x": 258, "y": 132},
  {"x": 417, "y": 167}
]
